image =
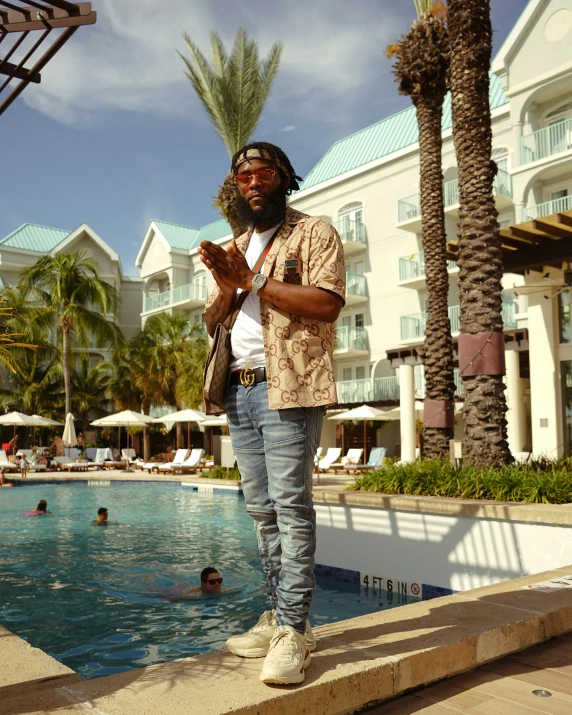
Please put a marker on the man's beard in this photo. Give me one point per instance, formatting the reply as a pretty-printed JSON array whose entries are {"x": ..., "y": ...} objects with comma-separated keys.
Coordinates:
[{"x": 271, "y": 214}]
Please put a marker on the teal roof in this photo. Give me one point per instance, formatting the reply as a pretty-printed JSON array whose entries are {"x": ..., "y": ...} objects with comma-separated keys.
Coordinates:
[
  {"x": 383, "y": 138},
  {"x": 186, "y": 238},
  {"x": 33, "y": 237},
  {"x": 213, "y": 231},
  {"x": 176, "y": 235}
]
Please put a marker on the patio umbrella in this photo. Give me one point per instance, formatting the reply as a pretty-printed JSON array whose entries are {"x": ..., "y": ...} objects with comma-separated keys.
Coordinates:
[
  {"x": 126, "y": 418},
  {"x": 19, "y": 418},
  {"x": 365, "y": 413},
  {"x": 43, "y": 422},
  {"x": 68, "y": 438},
  {"x": 395, "y": 412},
  {"x": 187, "y": 416}
]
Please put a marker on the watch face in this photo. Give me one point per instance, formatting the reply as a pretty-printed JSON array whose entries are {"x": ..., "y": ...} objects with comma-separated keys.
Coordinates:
[{"x": 259, "y": 281}]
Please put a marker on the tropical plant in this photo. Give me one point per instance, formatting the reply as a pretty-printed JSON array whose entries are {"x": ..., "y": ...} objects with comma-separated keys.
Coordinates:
[
  {"x": 10, "y": 345},
  {"x": 421, "y": 69},
  {"x": 89, "y": 390},
  {"x": 189, "y": 387},
  {"x": 233, "y": 91},
  {"x": 67, "y": 293},
  {"x": 479, "y": 257},
  {"x": 539, "y": 481}
]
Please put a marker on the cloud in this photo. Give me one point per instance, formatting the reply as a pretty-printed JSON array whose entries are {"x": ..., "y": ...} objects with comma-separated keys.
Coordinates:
[
  {"x": 289, "y": 128},
  {"x": 128, "y": 60}
]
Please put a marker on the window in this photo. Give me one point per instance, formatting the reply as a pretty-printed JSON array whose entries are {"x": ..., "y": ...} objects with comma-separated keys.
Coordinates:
[
  {"x": 360, "y": 372},
  {"x": 350, "y": 224},
  {"x": 200, "y": 286},
  {"x": 566, "y": 383},
  {"x": 346, "y": 374},
  {"x": 359, "y": 320},
  {"x": 559, "y": 124},
  {"x": 564, "y": 325}
]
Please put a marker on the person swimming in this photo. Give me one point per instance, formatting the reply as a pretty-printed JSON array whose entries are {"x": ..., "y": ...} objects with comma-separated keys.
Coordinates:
[
  {"x": 41, "y": 509},
  {"x": 211, "y": 582},
  {"x": 102, "y": 516}
]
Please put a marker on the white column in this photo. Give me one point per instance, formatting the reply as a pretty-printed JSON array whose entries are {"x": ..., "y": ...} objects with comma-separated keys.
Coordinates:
[
  {"x": 515, "y": 413},
  {"x": 516, "y": 156},
  {"x": 544, "y": 377},
  {"x": 407, "y": 412}
]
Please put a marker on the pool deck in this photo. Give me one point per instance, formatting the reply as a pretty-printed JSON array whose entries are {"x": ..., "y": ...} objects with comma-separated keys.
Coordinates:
[
  {"x": 504, "y": 687},
  {"x": 358, "y": 663}
]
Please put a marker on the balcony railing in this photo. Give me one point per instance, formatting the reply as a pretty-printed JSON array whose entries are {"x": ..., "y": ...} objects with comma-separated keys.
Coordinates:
[
  {"x": 351, "y": 338},
  {"x": 354, "y": 391},
  {"x": 190, "y": 291},
  {"x": 356, "y": 284},
  {"x": 351, "y": 230},
  {"x": 542, "y": 143},
  {"x": 547, "y": 208},
  {"x": 413, "y": 325},
  {"x": 410, "y": 207},
  {"x": 386, "y": 389},
  {"x": 420, "y": 384},
  {"x": 413, "y": 266}
]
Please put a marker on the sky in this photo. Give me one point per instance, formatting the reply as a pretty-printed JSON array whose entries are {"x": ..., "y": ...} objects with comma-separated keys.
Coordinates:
[{"x": 114, "y": 136}]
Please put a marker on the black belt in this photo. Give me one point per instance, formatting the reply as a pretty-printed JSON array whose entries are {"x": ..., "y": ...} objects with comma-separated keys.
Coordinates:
[{"x": 248, "y": 376}]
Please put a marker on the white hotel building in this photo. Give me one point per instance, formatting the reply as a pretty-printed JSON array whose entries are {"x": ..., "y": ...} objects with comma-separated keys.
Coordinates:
[{"x": 367, "y": 185}]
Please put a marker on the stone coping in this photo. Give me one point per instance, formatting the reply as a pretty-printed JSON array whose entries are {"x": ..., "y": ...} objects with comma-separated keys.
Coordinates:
[
  {"x": 357, "y": 663},
  {"x": 508, "y": 511},
  {"x": 115, "y": 475}
]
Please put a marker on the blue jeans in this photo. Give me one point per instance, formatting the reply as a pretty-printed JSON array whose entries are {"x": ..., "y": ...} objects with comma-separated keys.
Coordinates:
[{"x": 275, "y": 454}]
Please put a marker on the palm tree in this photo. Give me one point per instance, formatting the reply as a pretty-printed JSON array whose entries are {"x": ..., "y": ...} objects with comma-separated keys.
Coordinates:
[
  {"x": 421, "y": 70},
  {"x": 189, "y": 387},
  {"x": 89, "y": 391},
  {"x": 233, "y": 91},
  {"x": 480, "y": 258},
  {"x": 67, "y": 293}
]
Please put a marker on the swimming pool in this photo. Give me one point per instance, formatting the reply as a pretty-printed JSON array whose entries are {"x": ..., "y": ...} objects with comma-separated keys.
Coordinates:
[{"x": 96, "y": 598}]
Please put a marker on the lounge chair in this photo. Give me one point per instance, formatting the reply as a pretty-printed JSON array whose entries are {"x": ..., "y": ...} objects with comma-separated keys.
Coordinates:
[
  {"x": 319, "y": 452},
  {"x": 332, "y": 455},
  {"x": 375, "y": 461},
  {"x": 192, "y": 464},
  {"x": 5, "y": 464},
  {"x": 71, "y": 465},
  {"x": 129, "y": 455},
  {"x": 180, "y": 456},
  {"x": 352, "y": 458},
  {"x": 104, "y": 460}
]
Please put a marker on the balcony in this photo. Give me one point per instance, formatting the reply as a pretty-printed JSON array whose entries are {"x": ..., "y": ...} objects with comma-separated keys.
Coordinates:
[
  {"x": 547, "y": 208},
  {"x": 413, "y": 325},
  {"x": 352, "y": 234},
  {"x": 551, "y": 140},
  {"x": 386, "y": 389},
  {"x": 354, "y": 391},
  {"x": 190, "y": 295},
  {"x": 412, "y": 270},
  {"x": 409, "y": 208},
  {"x": 356, "y": 289},
  {"x": 351, "y": 342},
  {"x": 420, "y": 384}
]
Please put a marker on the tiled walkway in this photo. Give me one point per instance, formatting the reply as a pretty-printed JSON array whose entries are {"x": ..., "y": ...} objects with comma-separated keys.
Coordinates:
[{"x": 504, "y": 687}]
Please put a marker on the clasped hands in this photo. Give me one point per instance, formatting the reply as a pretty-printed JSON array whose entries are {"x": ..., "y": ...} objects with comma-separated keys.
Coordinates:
[{"x": 229, "y": 268}]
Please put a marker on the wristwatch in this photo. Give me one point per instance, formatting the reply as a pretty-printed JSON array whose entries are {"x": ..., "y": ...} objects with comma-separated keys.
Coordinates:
[{"x": 258, "y": 283}]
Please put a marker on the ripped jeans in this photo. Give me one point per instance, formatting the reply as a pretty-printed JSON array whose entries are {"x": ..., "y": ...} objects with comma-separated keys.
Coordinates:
[{"x": 275, "y": 453}]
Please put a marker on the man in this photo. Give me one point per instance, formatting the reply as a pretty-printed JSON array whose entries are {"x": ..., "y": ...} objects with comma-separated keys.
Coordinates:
[
  {"x": 57, "y": 446},
  {"x": 281, "y": 380},
  {"x": 211, "y": 582},
  {"x": 102, "y": 516}
]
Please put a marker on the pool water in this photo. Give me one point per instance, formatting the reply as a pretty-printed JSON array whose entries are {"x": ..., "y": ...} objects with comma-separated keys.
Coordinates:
[{"x": 97, "y": 598}]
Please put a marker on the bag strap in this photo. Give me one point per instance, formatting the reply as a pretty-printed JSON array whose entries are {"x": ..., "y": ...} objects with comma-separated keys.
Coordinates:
[{"x": 257, "y": 267}]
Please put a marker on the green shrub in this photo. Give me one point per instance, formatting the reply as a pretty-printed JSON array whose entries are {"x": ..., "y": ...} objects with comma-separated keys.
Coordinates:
[
  {"x": 221, "y": 473},
  {"x": 540, "y": 481}
]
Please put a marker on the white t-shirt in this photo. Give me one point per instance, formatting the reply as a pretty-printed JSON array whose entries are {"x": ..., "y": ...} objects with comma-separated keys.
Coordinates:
[{"x": 246, "y": 336}]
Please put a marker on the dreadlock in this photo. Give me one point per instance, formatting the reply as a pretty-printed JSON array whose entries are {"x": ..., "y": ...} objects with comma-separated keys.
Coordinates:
[{"x": 273, "y": 153}]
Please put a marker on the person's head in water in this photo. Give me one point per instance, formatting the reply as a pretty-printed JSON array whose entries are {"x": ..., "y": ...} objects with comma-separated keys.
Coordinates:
[
  {"x": 264, "y": 177},
  {"x": 211, "y": 580},
  {"x": 102, "y": 515},
  {"x": 42, "y": 506}
]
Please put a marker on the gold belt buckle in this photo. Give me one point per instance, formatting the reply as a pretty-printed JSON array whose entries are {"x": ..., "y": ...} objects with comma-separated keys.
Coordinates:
[{"x": 246, "y": 377}]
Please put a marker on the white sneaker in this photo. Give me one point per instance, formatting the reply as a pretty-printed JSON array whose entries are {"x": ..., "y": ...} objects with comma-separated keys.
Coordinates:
[
  {"x": 288, "y": 657},
  {"x": 255, "y": 642}
]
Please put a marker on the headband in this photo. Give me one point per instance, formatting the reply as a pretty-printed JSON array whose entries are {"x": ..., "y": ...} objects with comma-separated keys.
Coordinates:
[{"x": 250, "y": 154}]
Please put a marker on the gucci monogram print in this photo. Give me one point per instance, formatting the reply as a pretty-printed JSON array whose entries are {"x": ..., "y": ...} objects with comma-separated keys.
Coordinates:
[{"x": 299, "y": 351}]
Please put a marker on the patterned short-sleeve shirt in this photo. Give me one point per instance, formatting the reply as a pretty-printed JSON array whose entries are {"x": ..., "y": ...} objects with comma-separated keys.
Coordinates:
[{"x": 299, "y": 351}]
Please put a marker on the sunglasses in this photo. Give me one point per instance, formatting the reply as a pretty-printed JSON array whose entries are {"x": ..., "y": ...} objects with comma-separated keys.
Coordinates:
[
  {"x": 212, "y": 581},
  {"x": 264, "y": 176}
]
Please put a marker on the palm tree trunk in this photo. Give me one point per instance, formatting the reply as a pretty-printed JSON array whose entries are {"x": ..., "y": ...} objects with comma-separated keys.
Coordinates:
[
  {"x": 180, "y": 436},
  {"x": 480, "y": 258},
  {"x": 66, "y": 367},
  {"x": 438, "y": 348}
]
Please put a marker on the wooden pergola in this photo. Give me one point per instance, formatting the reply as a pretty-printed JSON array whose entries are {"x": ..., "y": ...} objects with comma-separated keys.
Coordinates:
[
  {"x": 530, "y": 245},
  {"x": 31, "y": 33}
]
